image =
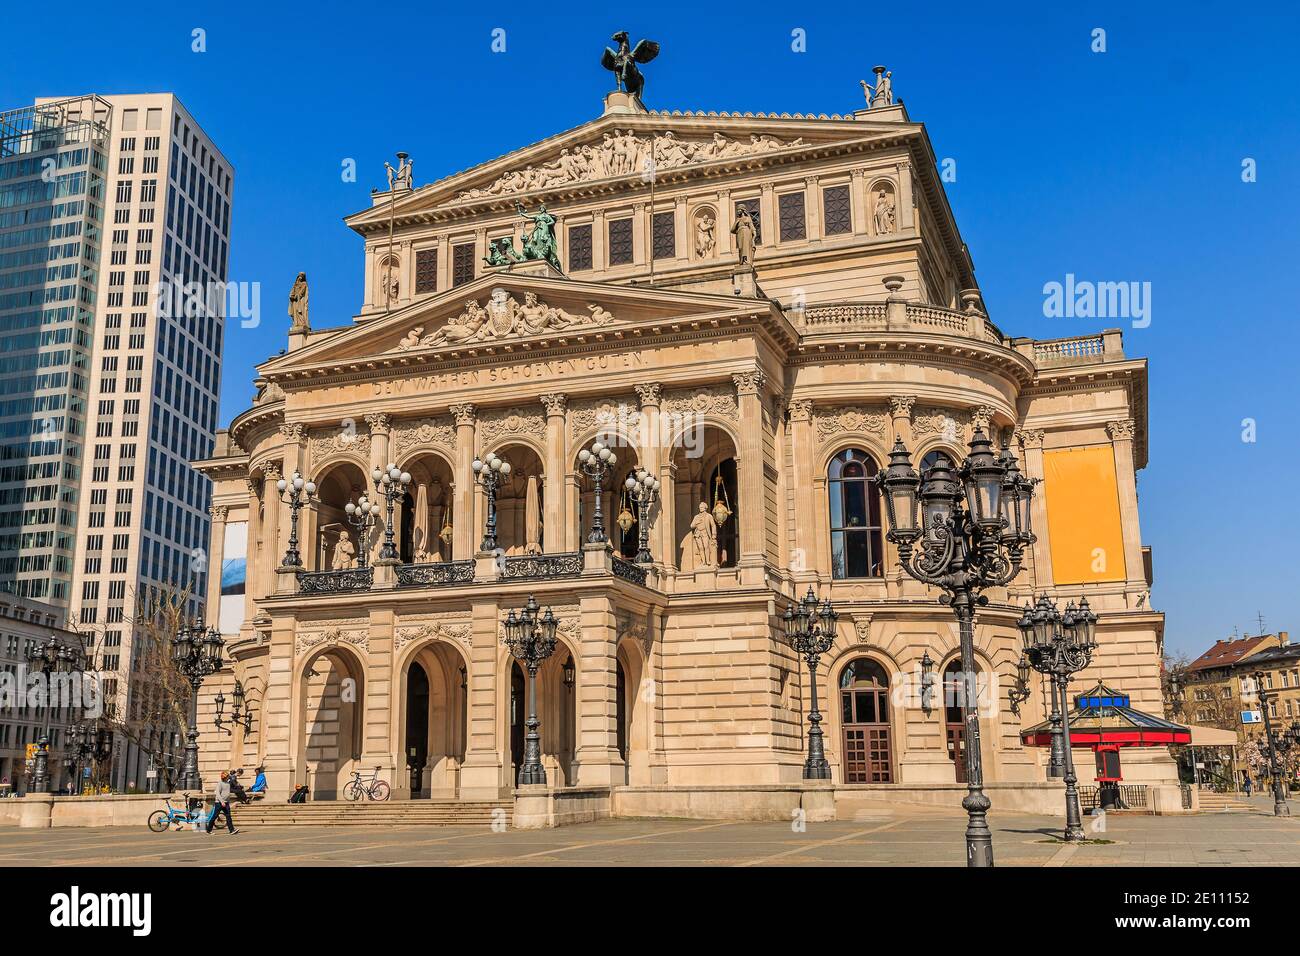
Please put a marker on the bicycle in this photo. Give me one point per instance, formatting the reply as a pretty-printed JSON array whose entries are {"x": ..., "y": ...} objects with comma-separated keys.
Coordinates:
[
  {"x": 161, "y": 820},
  {"x": 373, "y": 787}
]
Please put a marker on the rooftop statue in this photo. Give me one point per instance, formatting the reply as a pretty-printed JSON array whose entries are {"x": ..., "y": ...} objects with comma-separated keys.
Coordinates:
[
  {"x": 399, "y": 178},
  {"x": 298, "y": 305},
  {"x": 882, "y": 94},
  {"x": 539, "y": 243},
  {"x": 622, "y": 63}
]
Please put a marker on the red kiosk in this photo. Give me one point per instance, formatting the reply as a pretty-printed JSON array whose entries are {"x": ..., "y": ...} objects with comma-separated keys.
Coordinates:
[{"x": 1106, "y": 721}]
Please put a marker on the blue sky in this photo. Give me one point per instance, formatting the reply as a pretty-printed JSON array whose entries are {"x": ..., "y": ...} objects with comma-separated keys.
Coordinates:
[{"x": 1116, "y": 166}]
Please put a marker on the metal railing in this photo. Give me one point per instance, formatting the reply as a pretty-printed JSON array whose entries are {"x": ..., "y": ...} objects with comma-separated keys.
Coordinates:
[
  {"x": 627, "y": 570},
  {"x": 434, "y": 574},
  {"x": 336, "y": 582},
  {"x": 1133, "y": 795},
  {"x": 541, "y": 567}
]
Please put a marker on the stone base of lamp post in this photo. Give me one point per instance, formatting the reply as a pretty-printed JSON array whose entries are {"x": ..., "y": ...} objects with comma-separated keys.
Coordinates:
[{"x": 287, "y": 580}]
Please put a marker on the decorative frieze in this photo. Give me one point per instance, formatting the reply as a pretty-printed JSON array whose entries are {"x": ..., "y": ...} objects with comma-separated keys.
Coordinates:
[
  {"x": 423, "y": 433},
  {"x": 942, "y": 423},
  {"x": 836, "y": 420},
  {"x": 495, "y": 425},
  {"x": 597, "y": 414},
  {"x": 345, "y": 440},
  {"x": 452, "y": 628},
  {"x": 354, "y": 633},
  {"x": 716, "y": 400}
]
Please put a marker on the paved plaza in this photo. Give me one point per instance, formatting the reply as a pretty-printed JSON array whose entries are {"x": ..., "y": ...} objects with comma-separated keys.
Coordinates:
[{"x": 903, "y": 837}]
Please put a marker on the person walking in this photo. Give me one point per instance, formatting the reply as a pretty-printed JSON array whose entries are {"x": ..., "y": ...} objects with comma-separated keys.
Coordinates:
[
  {"x": 1248, "y": 784},
  {"x": 221, "y": 802}
]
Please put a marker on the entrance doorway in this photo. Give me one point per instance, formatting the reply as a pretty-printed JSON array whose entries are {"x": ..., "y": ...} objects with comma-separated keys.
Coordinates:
[
  {"x": 864, "y": 715},
  {"x": 518, "y": 718},
  {"x": 954, "y": 692},
  {"x": 417, "y": 727}
]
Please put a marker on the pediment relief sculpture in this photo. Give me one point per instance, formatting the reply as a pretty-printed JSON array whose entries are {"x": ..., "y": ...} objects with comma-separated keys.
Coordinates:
[
  {"x": 503, "y": 317},
  {"x": 623, "y": 153},
  {"x": 851, "y": 418}
]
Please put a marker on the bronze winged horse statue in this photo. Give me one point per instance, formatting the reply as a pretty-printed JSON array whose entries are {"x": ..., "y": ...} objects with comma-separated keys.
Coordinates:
[{"x": 622, "y": 63}]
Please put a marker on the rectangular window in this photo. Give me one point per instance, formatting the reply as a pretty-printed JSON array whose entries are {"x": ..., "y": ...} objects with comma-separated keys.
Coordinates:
[
  {"x": 663, "y": 239},
  {"x": 620, "y": 242},
  {"x": 462, "y": 263},
  {"x": 790, "y": 217},
  {"x": 837, "y": 210},
  {"x": 580, "y": 248},
  {"x": 426, "y": 270}
]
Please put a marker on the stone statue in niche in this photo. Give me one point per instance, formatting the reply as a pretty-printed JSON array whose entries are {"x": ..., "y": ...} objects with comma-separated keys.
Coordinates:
[
  {"x": 743, "y": 230},
  {"x": 389, "y": 285},
  {"x": 700, "y": 546},
  {"x": 886, "y": 213},
  {"x": 704, "y": 238},
  {"x": 298, "y": 321},
  {"x": 344, "y": 557}
]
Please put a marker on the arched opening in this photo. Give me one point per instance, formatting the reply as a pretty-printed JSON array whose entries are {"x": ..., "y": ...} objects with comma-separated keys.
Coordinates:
[
  {"x": 864, "y": 719},
  {"x": 518, "y": 719},
  {"x": 520, "y": 502},
  {"x": 417, "y": 726},
  {"x": 620, "y": 710},
  {"x": 954, "y": 717},
  {"x": 425, "y": 532},
  {"x": 432, "y": 720},
  {"x": 625, "y": 531},
  {"x": 330, "y": 739},
  {"x": 337, "y": 544},
  {"x": 556, "y": 714},
  {"x": 706, "y": 499},
  {"x": 856, "y": 546},
  {"x": 618, "y": 511}
]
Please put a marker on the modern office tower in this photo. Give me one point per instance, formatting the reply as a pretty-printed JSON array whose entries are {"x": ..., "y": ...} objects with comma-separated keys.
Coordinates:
[
  {"x": 142, "y": 392},
  {"x": 53, "y": 184}
]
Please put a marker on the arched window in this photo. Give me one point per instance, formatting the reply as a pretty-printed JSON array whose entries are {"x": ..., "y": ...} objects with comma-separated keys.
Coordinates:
[{"x": 856, "y": 550}]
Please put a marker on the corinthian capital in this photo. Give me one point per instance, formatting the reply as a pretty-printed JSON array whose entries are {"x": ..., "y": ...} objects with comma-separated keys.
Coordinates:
[
  {"x": 801, "y": 409},
  {"x": 1029, "y": 437},
  {"x": 980, "y": 416},
  {"x": 293, "y": 431},
  {"x": 1121, "y": 430},
  {"x": 900, "y": 406},
  {"x": 748, "y": 383},
  {"x": 650, "y": 393},
  {"x": 555, "y": 402},
  {"x": 464, "y": 414},
  {"x": 218, "y": 512},
  {"x": 379, "y": 422}
]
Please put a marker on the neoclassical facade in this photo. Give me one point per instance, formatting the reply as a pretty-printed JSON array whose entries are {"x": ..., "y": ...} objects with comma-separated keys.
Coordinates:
[{"x": 762, "y": 395}]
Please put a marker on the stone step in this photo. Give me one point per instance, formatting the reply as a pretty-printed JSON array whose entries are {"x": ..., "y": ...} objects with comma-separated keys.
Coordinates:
[{"x": 386, "y": 813}]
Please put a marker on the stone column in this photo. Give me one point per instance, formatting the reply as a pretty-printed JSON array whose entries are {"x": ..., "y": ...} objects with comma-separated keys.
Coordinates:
[
  {"x": 278, "y": 709},
  {"x": 555, "y": 494},
  {"x": 726, "y": 216},
  {"x": 640, "y": 235},
  {"x": 444, "y": 264},
  {"x": 1121, "y": 437},
  {"x": 906, "y": 211},
  {"x": 803, "y": 560},
  {"x": 650, "y": 451},
  {"x": 900, "y": 415},
  {"x": 858, "y": 201},
  {"x": 1031, "y": 465},
  {"x": 256, "y": 558},
  {"x": 271, "y": 544},
  {"x": 599, "y": 241},
  {"x": 380, "y": 425},
  {"x": 216, "y": 557},
  {"x": 770, "y": 226},
  {"x": 897, "y": 581},
  {"x": 486, "y": 770},
  {"x": 294, "y": 460},
  {"x": 465, "y": 540},
  {"x": 813, "y": 206},
  {"x": 682, "y": 228},
  {"x": 749, "y": 466}
]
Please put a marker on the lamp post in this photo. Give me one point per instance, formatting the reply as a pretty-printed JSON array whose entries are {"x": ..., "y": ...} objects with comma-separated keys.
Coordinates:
[
  {"x": 1059, "y": 646},
  {"x": 595, "y": 463},
  {"x": 643, "y": 488},
  {"x": 88, "y": 742},
  {"x": 362, "y": 515},
  {"x": 531, "y": 639},
  {"x": 240, "y": 713},
  {"x": 810, "y": 630},
  {"x": 391, "y": 482},
  {"x": 49, "y": 658},
  {"x": 974, "y": 527},
  {"x": 1278, "y": 742},
  {"x": 490, "y": 473},
  {"x": 196, "y": 655},
  {"x": 295, "y": 491}
]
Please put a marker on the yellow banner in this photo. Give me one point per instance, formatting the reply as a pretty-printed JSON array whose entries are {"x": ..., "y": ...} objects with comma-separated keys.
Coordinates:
[{"x": 1083, "y": 515}]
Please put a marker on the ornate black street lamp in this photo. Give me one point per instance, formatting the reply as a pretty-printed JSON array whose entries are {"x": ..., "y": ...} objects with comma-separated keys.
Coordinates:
[
  {"x": 643, "y": 488},
  {"x": 531, "y": 639},
  {"x": 391, "y": 483},
  {"x": 810, "y": 630},
  {"x": 362, "y": 515},
  {"x": 240, "y": 713},
  {"x": 490, "y": 473},
  {"x": 297, "y": 492},
  {"x": 87, "y": 742},
  {"x": 973, "y": 530},
  {"x": 927, "y": 683},
  {"x": 595, "y": 463},
  {"x": 1279, "y": 743},
  {"x": 1061, "y": 645},
  {"x": 196, "y": 655},
  {"x": 49, "y": 659}
]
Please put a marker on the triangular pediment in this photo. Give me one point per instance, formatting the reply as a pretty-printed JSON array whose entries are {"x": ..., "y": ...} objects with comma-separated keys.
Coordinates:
[
  {"x": 504, "y": 314},
  {"x": 619, "y": 148}
]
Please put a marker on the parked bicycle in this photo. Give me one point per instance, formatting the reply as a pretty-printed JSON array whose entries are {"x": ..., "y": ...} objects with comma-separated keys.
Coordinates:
[
  {"x": 371, "y": 787},
  {"x": 161, "y": 820}
]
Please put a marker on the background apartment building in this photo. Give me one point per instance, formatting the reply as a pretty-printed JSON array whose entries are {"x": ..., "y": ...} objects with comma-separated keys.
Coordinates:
[{"x": 143, "y": 369}]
